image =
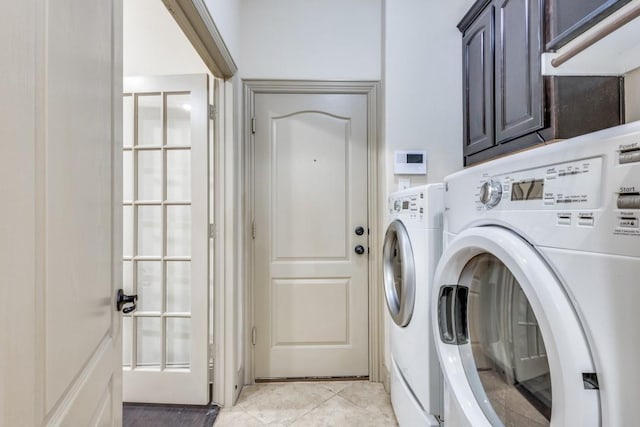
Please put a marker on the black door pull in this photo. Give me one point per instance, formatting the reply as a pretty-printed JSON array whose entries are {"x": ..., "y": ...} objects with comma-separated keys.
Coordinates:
[
  {"x": 359, "y": 230},
  {"x": 122, "y": 299},
  {"x": 359, "y": 249}
]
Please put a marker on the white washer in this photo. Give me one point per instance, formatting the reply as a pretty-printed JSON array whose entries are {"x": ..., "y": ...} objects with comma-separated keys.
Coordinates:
[
  {"x": 412, "y": 246},
  {"x": 536, "y": 295}
]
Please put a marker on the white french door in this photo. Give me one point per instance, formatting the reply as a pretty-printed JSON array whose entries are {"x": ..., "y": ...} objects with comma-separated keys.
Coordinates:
[{"x": 165, "y": 241}]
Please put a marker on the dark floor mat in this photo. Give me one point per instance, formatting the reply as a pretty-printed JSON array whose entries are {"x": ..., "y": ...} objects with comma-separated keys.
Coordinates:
[{"x": 147, "y": 415}]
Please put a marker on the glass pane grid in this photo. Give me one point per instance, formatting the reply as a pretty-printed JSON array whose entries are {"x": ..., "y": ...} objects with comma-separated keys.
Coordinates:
[
  {"x": 150, "y": 171},
  {"x": 178, "y": 122},
  {"x": 158, "y": 334},
  {"x": 177, "y": 344},
  {"x": 149, "y": 119},
  {"x": 127, "y": 175},
  {"x": 127, "y": 121}
]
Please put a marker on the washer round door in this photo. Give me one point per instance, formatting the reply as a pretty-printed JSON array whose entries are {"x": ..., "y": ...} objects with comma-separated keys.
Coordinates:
[
  {"x": 509, "y": 341},
  {"x": 398, "y": 273}
]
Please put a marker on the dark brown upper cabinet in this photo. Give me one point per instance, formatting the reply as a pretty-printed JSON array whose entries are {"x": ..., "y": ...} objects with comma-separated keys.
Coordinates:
[
  {"x": 518, "y": 80},
  {"x": 568, "y": 19},
  {"x": 507, "y": 104},
  {"x": 478, "y": 82}
]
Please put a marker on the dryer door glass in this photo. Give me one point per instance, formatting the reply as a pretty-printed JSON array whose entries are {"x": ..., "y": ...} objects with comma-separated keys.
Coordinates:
[
  {"x": 398, "y": 273},
  {"x": 506, "y": 360}
]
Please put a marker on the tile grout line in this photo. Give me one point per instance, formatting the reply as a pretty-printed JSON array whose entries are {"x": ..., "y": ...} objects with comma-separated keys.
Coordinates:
[
  {"x": 332, "y": 393},
  {"x": 335, "y": 393}
]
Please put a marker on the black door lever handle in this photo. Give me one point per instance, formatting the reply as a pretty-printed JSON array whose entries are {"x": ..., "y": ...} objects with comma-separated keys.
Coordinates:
[{"x": 122, "y": 299}]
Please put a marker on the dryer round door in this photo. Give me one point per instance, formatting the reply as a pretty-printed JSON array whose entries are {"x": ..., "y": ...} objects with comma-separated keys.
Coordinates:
[
  {"x": 399, "y": 274},
  {"x": 509, "y": 340}
]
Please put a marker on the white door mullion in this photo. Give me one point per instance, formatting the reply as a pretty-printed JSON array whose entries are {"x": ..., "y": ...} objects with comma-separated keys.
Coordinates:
[
  {"x": 134, "y": 231},
  {"x": 163, "y": 293}
]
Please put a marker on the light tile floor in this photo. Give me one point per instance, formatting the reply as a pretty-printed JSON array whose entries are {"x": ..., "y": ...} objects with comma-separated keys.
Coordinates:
[{"x": 310, "y": 404}]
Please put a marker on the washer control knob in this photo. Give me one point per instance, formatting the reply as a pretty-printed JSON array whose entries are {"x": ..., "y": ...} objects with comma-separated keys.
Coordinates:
[
  {"x": 490, "y": 193},
  {"x": 397, "y": 205}
]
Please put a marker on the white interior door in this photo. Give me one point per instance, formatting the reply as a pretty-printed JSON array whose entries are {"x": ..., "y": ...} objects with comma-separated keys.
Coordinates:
[
  {"x": 61, "y": 231},
  {"x": 311, "y": 287},
  {"x": 165, "y": 250}
]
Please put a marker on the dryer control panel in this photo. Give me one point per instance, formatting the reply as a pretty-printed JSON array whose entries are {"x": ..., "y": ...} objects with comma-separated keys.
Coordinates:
[
  {"x": 569, "y": 185},
  {"x": 582, "y": 193}
]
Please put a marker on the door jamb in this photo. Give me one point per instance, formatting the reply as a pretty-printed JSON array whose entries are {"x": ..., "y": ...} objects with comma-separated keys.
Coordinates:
[{"x": 375, "y": 202}]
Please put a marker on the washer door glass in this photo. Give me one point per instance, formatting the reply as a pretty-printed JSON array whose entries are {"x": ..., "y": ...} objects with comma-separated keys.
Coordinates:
[
  {"x": 398, "y": 273},
  {"x": 507, "y": 365}
]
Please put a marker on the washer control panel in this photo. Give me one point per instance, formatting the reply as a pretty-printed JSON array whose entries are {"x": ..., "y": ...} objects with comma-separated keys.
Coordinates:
[
  {"x": 410, "y": 206},
  {"x": 571, "y": 185}
]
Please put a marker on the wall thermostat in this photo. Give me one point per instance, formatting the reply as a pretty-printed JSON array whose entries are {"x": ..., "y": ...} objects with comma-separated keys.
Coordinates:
[{"x": 410, "y": 162}]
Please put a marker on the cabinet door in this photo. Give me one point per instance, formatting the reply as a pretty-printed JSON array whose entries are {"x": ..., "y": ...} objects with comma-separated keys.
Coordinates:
[
  {"x": 477, "y": 66},
  {"x": 518, "y": 80}
]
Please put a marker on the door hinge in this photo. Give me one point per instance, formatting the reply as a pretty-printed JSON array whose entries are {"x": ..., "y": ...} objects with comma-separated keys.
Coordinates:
[
  {"x": 212, "y": 359},
  {"x": 212, "y": 231},
  {"x": 253, "y": 230},
  {"x": 212, "y": 112},
  {"x": 253, "y": 335},
  {"x": 253, "y": 125}
]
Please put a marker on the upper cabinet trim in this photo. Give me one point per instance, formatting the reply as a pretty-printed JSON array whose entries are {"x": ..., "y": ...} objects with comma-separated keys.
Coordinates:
[{"x": 472, "y": 14}]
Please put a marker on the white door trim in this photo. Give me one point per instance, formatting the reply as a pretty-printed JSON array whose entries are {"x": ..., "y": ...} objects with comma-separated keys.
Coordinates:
[
  {"x": 196, "y": 23},
  {"x": 372, "y": 90}
]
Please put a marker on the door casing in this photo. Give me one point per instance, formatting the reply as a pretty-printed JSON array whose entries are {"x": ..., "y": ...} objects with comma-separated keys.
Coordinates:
[{"x": 375, "y": 164}]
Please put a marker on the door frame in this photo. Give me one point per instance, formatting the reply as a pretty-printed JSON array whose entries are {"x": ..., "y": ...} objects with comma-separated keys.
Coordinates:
[{"x": 375, "y": 202}]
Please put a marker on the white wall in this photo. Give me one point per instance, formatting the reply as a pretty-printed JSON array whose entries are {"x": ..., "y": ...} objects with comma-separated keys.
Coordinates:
[
  {"x": 295, "y": 39},
  {"x": 154, "y": 44},
  {"x": 423, "y": 88},
  {"x": 423, "y": 84},
  {"x": 632, "y": 95},
  {"x": 226, "y": 15}
]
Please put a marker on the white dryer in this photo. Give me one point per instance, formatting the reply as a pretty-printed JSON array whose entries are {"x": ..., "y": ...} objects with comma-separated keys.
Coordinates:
[
  {"x": 535, "y": 299},
  {"x": 412, "y": 246}
]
